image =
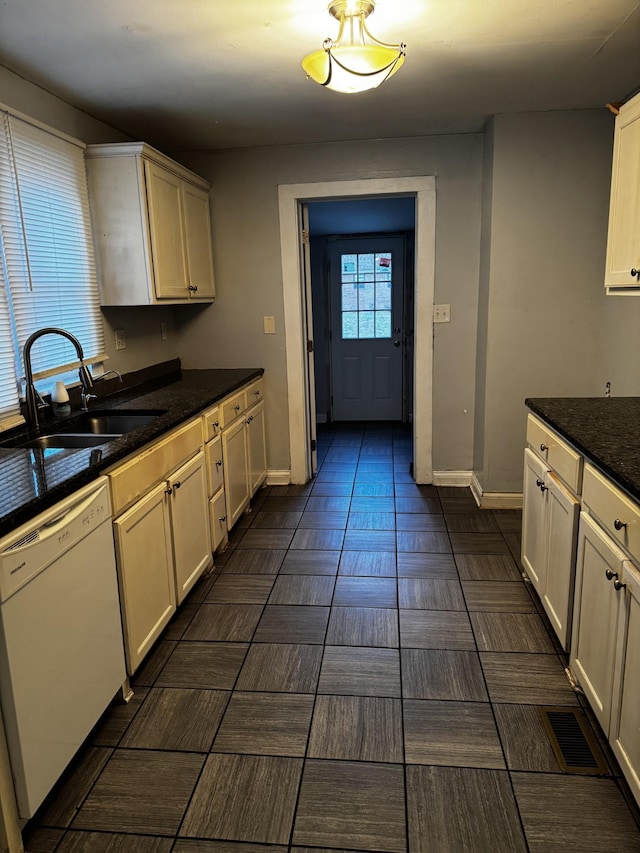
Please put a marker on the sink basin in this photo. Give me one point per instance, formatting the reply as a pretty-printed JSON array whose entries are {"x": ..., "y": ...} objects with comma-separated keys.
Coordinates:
[
  {"x": 61, "y": 439},
  {"x": 112, "y": 422}
]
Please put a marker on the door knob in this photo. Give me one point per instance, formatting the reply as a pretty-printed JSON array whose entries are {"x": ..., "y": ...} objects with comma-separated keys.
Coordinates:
[{"x": 396, "y": 343}]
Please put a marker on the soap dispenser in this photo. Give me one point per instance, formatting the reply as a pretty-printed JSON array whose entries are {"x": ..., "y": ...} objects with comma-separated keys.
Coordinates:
[{"x": 60, "y": 400}]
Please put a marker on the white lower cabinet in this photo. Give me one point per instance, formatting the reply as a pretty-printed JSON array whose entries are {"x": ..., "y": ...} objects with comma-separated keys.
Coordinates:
[
  {"x": 257, "y": 447},
  {"x": 189, "y": 524},
  {"x": 163, "y": 539},
  {"x": 625, "y": 713},
  {"x": 549, "y": 527},
  {"x": 598, "y": 606},
  {"x": 605, "y": 653},
  {"x": 236, "y": 467},
  {"x": 218, "y": 520},
  {"x": 145, "y": 573}
]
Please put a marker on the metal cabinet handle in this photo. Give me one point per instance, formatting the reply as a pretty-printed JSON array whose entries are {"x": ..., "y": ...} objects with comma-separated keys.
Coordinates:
[
  {"x": 618, "y": 584},
  {"x": 215, "y": 424},
  {"x": 635, "y": 273},
  {"x": 257, "y": 393},
  {"x": 610, "y": 574},
  {"x": 541, "y": 485},
  {"x": 193, "y": 288},
  {"x": 219, "y": 463},
  {"x": 222, "y": 518},
  {"x": 168, "y": 491},
  {"x": 237, "y": 408},
  {"x": 249, "y": 420},
  {"x": 544, "y": 447},
  {"x": 618, "y": 524},
  {"x": 176, "y": 485}
]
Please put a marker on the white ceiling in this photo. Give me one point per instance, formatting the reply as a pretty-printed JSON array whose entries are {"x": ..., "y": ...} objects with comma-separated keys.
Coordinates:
[{"x": 202, "y": 74}]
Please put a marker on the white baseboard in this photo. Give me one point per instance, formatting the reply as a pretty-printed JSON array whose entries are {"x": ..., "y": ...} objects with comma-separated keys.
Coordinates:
[
  {"x": 452, "y": 478},
  {"x": 278, "y": 478},
  {"x": 494, "y": 500}
]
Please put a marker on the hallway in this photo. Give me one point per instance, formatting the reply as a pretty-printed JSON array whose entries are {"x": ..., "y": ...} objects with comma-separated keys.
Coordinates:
[{"x": 362, "y": 673}]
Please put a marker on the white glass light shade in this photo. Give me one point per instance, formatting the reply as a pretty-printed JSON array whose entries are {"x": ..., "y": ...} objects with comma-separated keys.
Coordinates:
[{"x": 353, "y": 68}]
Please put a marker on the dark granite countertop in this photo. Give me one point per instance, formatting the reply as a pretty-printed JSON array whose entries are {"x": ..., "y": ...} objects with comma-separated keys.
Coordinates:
[
  {"x": 33, "y": 480},
  {"x": 604, "y": 429}
]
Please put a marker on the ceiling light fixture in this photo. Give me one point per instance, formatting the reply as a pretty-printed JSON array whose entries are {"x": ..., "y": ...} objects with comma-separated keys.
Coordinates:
[{"x": 350, "y": 64}]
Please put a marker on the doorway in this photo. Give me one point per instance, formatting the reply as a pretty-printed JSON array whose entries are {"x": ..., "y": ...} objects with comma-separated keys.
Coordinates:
[{"x": 292, "y": 197}]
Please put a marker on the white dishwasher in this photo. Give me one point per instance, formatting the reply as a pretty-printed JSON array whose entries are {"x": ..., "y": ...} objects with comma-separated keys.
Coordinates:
[{"x": 61, "y": 646}]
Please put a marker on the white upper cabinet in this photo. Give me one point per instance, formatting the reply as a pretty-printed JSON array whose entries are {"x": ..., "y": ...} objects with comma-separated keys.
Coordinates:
[
  {"x": 152, "y": 227},
  {"x": 622, "y": 274}
]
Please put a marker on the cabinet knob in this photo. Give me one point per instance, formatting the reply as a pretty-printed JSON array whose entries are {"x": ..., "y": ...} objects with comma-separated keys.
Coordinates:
[
  {"x": 219, "y": 463},
  {"x": 543, "y": 447},
  {"x": 176, "y": 485},
  {"x": 215, "y": 424},
  {"x": 193, "y": 288},
  {"x": 540, "y": 484},
  {"x": 257, "y": 393},
  {"x": 610, "y": 574},
  {"x": 249, "y": 420},
  {"x": 618, "y": 524},
  {"x": 237, "y": 408},
  {"x": 618, "y": 584},
  {"x": 222, "y": 518},
  {"x": 635, "y": 273}
]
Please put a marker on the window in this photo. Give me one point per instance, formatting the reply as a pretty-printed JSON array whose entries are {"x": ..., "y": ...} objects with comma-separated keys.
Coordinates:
[
  {"x": 47, "y": 268},
  {"x": 366, "y": 295}
]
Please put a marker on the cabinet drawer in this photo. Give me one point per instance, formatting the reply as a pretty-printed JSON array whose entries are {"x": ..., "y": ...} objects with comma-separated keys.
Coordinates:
[
  {"x": 215, "y": 468},
  {"x": 211, "y": 422},
  {"x": 133, "y": 478},
  {"x": 610, "y": 505},
  {"x": 559, "y": 456},
  {"x": 232, "y": 408},
  {"x": 255, "y": 392}
]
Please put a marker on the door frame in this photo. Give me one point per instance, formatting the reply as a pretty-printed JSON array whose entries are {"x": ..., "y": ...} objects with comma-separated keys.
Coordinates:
[{"x": 291, "y": 197}]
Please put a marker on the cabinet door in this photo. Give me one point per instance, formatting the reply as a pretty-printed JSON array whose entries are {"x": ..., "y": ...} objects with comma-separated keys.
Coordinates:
[
  {"x": 597, "y": 611},
  {"x": 563, "y": 512},
  {"x": 625, "y": 718},
  {"x": 218, "y": 520},
  {"x": 257, "y": 447},
  {"x": 215, "y": 465},
  {"x": 164, "y": 197},
  {"x": 534, "y": 520},
  {"x": 145, "y": 573},
  {"x": 189, "y": 524},
  {"x": 623, "y": 240},
  {"x": 236, "y": 478},
  {"x": 197, "y": 232}
]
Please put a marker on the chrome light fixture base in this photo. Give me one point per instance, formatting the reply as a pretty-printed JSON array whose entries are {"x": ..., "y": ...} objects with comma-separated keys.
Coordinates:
[{"x": 350, "y": 63}]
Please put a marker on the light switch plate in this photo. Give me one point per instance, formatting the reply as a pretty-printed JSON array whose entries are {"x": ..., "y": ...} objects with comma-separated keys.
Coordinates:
[
  {"x": 269, "y": 324},
  {"x": 121, "y": 342},
  {"x": 442, "y": 313}
]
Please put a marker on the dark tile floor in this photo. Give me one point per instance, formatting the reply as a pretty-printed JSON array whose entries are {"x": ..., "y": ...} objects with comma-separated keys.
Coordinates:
[{"x": 360, "y": 674}]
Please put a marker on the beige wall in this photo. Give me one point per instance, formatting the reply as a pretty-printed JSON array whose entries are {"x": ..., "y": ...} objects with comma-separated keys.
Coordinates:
[
  {"x": 543, "y": 327},
  {"x": 249, "y": 277},
  {"x": 141, "y": 325}
]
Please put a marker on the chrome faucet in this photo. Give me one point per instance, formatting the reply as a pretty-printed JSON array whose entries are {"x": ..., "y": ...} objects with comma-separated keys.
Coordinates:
[{"x": 31, "y": 395}]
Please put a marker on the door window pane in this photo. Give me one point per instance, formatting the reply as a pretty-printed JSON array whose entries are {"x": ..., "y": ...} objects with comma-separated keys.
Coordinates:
[
  {"x": 349, "y": 324},
  {"x": 366, "y": 306}
]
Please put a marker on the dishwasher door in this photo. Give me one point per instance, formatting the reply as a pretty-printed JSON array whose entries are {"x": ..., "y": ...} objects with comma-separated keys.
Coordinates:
[{"x": 61, "y": 649}]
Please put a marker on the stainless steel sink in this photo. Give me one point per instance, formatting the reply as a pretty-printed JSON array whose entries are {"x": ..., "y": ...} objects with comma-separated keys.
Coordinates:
[
  {"x": 68, "y": 439},
  {"x": 112, "y": 422}
]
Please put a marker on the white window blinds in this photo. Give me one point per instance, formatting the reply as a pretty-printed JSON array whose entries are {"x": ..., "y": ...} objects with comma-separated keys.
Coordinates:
[{"x": 48, "y": 262}]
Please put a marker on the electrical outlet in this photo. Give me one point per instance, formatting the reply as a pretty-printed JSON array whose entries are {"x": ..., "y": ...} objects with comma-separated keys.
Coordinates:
[
  {"x": 442, "y": 313},
  {"x": 121, "y": 342},
  {"x": 163, "y": 331}
]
